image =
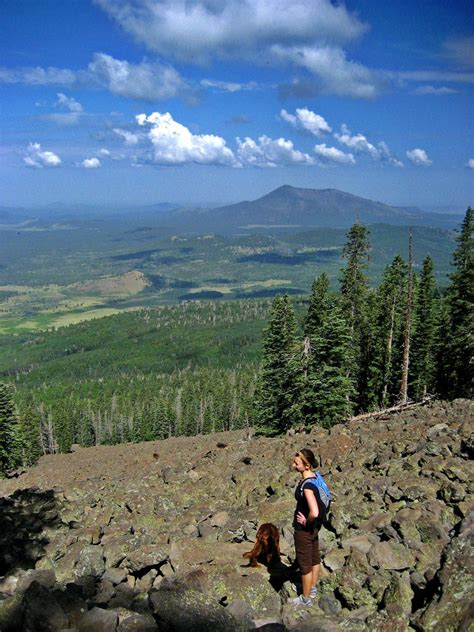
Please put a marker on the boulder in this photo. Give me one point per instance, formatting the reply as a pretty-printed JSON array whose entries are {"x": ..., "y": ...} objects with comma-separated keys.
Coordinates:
[
  {"x": 391, "y": 556},
  {"x": 98, "y": 620}
]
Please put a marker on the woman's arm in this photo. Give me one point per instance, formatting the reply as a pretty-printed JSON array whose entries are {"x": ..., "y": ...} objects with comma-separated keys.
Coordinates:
[{"x": 312, "y": 504}]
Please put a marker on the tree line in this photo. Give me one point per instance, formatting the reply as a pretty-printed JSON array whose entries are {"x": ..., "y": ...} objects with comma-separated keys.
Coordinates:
[
  {"x": 365, "y": 349},
  {"x": 339, "y": 353}
]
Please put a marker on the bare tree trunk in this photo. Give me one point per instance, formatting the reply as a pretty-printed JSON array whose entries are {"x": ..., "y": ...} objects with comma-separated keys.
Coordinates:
[
  {"x": 407, "y": 328},
  {"x": 389, "y": 354}
]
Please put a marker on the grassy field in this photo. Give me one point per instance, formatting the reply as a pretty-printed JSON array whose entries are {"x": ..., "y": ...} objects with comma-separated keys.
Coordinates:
[{"x": 62, "y": 275}]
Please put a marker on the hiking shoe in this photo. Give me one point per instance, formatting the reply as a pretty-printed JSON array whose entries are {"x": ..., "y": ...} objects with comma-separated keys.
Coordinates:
[
  {"x": 300, "y": 601},
  {"x": 313, "y": 592}
]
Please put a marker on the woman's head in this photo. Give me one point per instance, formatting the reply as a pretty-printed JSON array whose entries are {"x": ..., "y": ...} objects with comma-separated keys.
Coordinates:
[{"x": 304, "y": 460}]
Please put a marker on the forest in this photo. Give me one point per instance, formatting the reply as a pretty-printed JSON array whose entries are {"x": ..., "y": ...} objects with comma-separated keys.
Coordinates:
[{"x": 205, "y": 366}]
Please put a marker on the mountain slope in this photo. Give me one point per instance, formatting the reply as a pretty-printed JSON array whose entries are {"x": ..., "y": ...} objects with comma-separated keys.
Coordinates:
[{"x": 289, "y": 206}]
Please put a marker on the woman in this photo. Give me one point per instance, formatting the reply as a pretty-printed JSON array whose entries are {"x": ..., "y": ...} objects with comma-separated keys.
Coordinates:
[{"x": 308, "y": 518}]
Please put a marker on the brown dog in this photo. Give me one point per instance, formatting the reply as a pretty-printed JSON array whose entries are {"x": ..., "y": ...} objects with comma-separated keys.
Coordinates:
[{"x": 267, "y": 546}]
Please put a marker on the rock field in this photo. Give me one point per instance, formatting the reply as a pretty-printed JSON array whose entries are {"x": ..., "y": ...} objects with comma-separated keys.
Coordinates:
[{"x": 150, "y": 536}]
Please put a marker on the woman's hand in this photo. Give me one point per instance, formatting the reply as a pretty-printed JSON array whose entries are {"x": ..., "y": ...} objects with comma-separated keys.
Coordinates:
[{"x": 300, "y": 518}]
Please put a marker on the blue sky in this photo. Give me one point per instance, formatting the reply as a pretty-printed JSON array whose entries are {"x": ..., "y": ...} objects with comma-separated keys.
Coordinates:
[{"x": 214, "y": 101}]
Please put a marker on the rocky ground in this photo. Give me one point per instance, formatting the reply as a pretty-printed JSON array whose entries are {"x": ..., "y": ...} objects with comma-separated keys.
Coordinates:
[{"x": 150, "y": 536}]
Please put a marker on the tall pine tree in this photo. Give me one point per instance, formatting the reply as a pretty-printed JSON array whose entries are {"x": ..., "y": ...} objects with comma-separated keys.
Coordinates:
[
  {"x": 10, "y": 432},
  {"x": 277, "y": 402},
  {"x": 455, "y": 361},
  {"x": 423, "y": 350},
  {"x": 354, "y": 290},
  {"x": 386, "y": 360}
]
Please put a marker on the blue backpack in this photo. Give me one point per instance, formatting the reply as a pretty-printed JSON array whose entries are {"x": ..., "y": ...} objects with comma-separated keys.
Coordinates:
[{"x": 317, "y": 482}]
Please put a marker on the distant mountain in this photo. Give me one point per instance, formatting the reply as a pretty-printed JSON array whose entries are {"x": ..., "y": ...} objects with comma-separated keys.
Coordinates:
[{"x": 290, "y": 207}]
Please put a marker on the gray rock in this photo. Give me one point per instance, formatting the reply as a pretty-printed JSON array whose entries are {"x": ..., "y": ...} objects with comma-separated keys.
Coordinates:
[
  {"x": 98, "y": 620},
  {"x": 391, "y": 556},
  {"x": 42, "y": 610},
  {"x": 90, "y": 562}
]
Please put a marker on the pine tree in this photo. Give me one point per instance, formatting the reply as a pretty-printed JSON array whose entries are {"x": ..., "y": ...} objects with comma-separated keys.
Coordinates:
[
  {"x": 10, "y": 432},
  {"x": 319, "y": 303},
  {"x": 327, "y": 391},
  {"x": 385, "y": 364},
  {"x": 354, "y": 289},
  {"x": 277, "y": 397},
  {"x": 407, "y": 325},
  {"x": 423, "y": 350},
  {"x": 455, "y": 363}
]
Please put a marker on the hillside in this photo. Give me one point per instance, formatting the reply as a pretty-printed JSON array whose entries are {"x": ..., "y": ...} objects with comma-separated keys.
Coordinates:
[
  {"x": 293, "y": 207},
  {"x": 150, "y": 536}
]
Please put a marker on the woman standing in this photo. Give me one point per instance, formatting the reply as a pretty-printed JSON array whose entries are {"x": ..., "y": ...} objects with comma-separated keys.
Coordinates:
[{"x": 309, "y": 515}]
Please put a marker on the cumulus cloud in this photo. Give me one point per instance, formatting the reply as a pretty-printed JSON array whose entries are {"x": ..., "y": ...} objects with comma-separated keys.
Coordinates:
[
  {"x": 307, "y": 121},
  {"x": 174, "y": 144},
  {"x": 228, "y": 86},
  {"x": 91, "y": 163},
  {"x": 333, "y": 154},
  {"x": 419, "y": 157},
  {"x": 470, "y": 163},
  {"x": 36, "y": 157},
  {"x": 360, "y": 144},
  {"x": 147, "y": 81},
  {"x": 442, "y": 90},
  {"x": 308, "y": 34},
  {"x": 104, "y": 153},
  {"x": 357, "y": 142},
  {"x": 267, "y": 152}
]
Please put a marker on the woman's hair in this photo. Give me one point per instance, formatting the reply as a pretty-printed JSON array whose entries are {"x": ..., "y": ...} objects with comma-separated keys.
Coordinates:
[{"x": 308, "y": 456}]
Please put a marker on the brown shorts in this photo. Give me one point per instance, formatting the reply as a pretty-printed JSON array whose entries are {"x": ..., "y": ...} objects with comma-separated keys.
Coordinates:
[{"x": 307, "y": 550}]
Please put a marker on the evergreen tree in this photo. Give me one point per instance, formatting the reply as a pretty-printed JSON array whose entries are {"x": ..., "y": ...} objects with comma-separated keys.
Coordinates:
[
  {"x": 386, "y": 361},
  {"x": 455, "y": 363},
  {"x": 277, "y": 397},
  {"x": 423, "y": 360},
  {"x": 354, "y": 290},
  {"x": 319, "y": 304},
  {"x": 327, "y": 391},
  {"x": 10, "y": 432}
]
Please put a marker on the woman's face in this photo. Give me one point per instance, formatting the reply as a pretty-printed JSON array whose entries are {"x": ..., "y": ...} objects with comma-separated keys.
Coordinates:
[{"x": 298, "y": 464}]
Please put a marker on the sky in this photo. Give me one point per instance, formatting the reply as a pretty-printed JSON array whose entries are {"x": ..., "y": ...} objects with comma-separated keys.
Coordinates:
[{"x": 198, "y": 102}]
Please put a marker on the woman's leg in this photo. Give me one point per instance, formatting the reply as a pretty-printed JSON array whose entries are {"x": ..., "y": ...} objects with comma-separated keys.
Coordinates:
[{"x": 315, "y": 574}]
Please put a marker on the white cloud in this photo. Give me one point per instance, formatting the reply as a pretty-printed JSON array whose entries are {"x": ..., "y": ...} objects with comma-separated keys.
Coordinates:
[
  {"x": 470, "y": 163},
  {"x": 358, "y": 142},
  {"x": 129, "y": 137},
  {"x": 433, "y": 75},
  {"x": 73, "y": 113},
  {"x": 419, "y": 157},
  {"x": 307, "y": 120},
  {"x": 442, "y": 90},
  {"x": 147, "y": 81},
  {"x": 104, "y": 153},
  {"x": 229, "y": 86},
  {"x": 35, "y": 157},
  {"x": 38, "y": 76},
  {"x": 335, "y": 73},
  {"x": 305, "y": 33},
  {"x": 174, "y": 144},
  {"x": 267, "y": 152},
  {"x": 91, "y": 163},
  {"x": 387, "y": 156},
  {"x": 198, "y": 30},
  {"x": 333, "y": 154}
]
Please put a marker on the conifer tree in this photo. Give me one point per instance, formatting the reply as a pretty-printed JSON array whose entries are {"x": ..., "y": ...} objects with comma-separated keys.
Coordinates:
[
  {"x": 354, "y": 290},
  {"x": 319, "y": 302},
  {"x": 10, "y": 432},
  {"x": 423, "y": 351},
  {"x": 327, "y": 392},
  {"x": 407, "y": 324},
  {"x": 455, "y": 362},
  {"x": 277, "y": 397},
  {"x": 384, "y": 370}
]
